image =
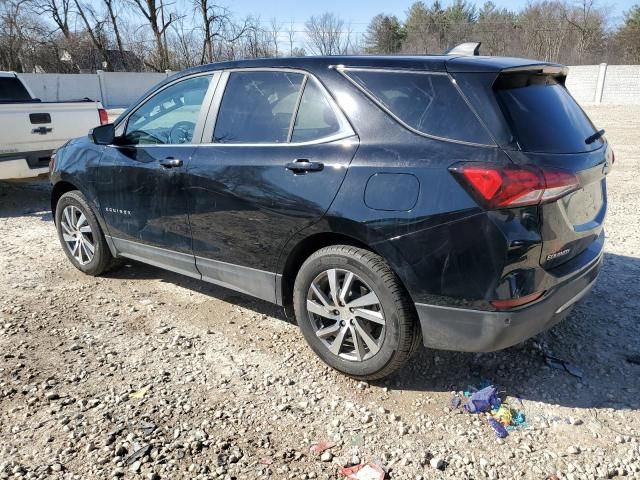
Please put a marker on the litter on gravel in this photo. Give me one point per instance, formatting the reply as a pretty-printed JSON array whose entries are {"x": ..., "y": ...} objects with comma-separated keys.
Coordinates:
[
  {"x": 364, "y": 471},
  {"x": 501, "y": 416}
]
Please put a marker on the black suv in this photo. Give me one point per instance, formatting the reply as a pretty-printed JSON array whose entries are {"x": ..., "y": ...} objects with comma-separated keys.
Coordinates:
[{"x": 454, "y": 201}]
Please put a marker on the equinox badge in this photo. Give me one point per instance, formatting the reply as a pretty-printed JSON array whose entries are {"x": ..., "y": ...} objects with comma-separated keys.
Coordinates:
[{"x": 561, "y": 253}]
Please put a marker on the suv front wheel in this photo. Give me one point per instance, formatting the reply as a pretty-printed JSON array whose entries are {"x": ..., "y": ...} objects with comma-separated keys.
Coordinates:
[
  {"x": 80, "y": 234},
  {"x": 354, "y": 313}
]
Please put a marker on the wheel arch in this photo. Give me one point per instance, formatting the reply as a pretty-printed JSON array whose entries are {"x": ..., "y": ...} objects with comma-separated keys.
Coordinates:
[
  {"x": 63, "y": 186},
  {"x": 303, "y": 249},
  {"x": 59, "y": 189}
]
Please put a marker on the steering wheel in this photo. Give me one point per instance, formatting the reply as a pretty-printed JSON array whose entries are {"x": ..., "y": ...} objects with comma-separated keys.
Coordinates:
[{"x": 182, "y": 132}]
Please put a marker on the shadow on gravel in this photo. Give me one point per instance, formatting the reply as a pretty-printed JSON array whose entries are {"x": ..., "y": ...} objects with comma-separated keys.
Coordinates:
[
  {"x": 24, "y": 199},
  {"x": 599, "y": 336}
]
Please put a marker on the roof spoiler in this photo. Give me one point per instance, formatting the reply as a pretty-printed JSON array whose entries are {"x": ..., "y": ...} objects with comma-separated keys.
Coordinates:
[{"x": 467, "y": 49}]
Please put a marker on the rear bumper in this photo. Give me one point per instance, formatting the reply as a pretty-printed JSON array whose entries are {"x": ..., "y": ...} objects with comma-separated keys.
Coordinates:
[
  {"x": 15, "y": 169},
  {"x": 24, "y": 164},
  {"x": 466, "y": 330}
]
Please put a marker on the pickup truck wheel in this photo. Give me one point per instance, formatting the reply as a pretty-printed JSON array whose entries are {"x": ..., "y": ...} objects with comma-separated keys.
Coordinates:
[
  {"x": 80, "y": 234},
  {"x": 354, "y": 313}
]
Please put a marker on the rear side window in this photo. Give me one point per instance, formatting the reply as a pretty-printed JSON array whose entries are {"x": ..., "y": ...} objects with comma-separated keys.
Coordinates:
[
  {"x": 12, "y": 90},
  {"x": 316, "y": 119},
  {"x": 257, "y": 107},
  {"x": 543, "y": 117},
  {"x": 429, "y": 103}
]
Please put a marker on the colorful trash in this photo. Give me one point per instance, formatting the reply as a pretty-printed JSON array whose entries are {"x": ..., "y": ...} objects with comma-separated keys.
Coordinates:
[
  {"x": 364, "y": 471},
  {"x": 503, "y": 417},
  {"x": 482, "y": 400}
]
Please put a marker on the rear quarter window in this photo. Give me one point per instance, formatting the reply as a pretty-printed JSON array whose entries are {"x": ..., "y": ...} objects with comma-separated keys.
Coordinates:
[{"x": 427, "y": 102}]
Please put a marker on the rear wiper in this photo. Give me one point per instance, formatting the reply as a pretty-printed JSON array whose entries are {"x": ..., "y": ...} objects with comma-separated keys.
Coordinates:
[{"x": 592, "y": 138}]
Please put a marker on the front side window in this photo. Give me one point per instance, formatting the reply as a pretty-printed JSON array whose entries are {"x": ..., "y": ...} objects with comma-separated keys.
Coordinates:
[
  {"x": 428, "y": 103},
  {"x": 170, "y": 116},
  {"x": 257, "y": 107}
]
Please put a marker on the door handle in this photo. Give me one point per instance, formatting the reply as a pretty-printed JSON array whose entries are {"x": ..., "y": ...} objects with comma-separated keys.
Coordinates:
[
  {"x": 171, "y": 162},
  {"x": 302, "y": 165}
]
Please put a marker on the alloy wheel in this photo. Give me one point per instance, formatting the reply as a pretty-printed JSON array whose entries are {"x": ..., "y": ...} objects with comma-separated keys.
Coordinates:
[
  {"x": 77, "y": 234},
  {"x": 346, "y": 314}
]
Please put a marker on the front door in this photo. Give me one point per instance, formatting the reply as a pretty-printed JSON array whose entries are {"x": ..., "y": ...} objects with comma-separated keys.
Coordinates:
[
  {"x": 141, "y": 188},
  {"x": 270, "y": 166}
]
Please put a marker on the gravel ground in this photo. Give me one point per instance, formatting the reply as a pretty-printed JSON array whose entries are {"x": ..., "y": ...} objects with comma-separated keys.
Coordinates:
[{"x": 143, "y": 373}]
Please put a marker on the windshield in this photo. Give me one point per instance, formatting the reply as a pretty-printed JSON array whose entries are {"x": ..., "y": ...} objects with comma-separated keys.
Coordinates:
[{"x": 543, "y": 116}]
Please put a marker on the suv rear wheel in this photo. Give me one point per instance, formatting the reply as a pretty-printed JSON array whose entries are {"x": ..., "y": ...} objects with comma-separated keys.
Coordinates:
[
  {"x": 354, "y": 313},
  {"x": 80, "y": 234}
]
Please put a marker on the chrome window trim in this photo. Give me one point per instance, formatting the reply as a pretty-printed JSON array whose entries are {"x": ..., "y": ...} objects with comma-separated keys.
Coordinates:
[
  {"x": 346, "y": 130},
  {"x": 344, "y": 72},
  {"x": 197, "y": 133}
]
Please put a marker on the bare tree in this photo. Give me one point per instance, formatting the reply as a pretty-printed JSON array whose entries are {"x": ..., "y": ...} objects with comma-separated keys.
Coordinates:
[
  {"x": 588, "y": 23},
  {"x": 94, "y": 27},
  {"x": 213, "y": 18},
  {"x": 153, "y": 13},
  {"x": 60, "y": 12},
  {"x": 274, "y": 34},
  {"x": 113, "y": 18},
  {"x": 326, "y": 35},
  {"x": 291, "y": 34}
]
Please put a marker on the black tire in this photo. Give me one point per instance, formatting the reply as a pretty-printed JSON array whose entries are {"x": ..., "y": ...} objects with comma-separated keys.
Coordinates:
[
  {"x": 102, "y": 259},
  {"x": 402, "y": 333}
]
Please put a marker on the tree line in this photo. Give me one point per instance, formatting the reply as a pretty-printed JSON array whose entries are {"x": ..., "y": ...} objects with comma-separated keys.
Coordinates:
[{"x": 157, "y": 35}]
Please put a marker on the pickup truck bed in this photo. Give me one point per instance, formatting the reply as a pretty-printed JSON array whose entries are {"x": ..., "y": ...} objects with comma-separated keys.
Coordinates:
[{"x": 30, "y": 130}]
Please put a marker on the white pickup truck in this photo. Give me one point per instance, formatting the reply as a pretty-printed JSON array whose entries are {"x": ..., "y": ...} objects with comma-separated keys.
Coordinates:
[{"x": 30, "y": 130}]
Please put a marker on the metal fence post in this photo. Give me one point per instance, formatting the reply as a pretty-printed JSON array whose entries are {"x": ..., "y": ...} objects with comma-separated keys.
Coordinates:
[{"x": 602, "y": 73}]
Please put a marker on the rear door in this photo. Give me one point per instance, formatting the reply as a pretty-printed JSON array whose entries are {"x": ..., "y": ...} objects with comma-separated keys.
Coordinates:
[
  {"x": 551, "y": 131},
  {"x": 274, "y": 153}
]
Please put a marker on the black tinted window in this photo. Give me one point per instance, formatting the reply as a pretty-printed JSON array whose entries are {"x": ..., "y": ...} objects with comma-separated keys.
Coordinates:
[
  {"x": 11, "y": 90},
  {"x": 170, "y": 116},
  {"x": 542, "y": 115},
  {"x": 429, "y": 103},
  {"x": 316, "y": 119},
  {"x": 257, "y": 107}
]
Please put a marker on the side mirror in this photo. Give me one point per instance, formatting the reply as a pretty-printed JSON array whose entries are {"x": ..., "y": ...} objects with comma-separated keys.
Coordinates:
[{"x": 103, "y": 135}]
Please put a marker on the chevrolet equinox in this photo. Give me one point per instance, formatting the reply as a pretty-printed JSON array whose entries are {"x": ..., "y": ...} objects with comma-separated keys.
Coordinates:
[{"x": 450, "y": 201}]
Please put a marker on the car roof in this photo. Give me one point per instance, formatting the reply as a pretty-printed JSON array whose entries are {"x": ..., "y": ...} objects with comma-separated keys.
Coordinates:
[{"x": 441, "y": 63}]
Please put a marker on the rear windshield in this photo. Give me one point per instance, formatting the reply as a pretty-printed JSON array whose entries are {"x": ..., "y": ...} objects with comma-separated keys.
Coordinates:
[
  {"x": 427, "y": 102},
  {"x": 12, "y": 90},
  {"x": 543, "y": 117}
]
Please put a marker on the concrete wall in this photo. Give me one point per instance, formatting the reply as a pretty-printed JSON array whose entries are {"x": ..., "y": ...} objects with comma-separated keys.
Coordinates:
[
  {"x": 610, "y": 84},
  {"x": 622, "y": 85},
  {"x": 113, "y": 89},
  {"x": 613, "y": 84},
  {"x": 54, "y": 87},
  {"x": 582, "y": 82}
]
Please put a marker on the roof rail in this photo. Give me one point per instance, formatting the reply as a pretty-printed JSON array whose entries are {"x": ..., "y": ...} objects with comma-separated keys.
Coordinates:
[{"x": 467, "y": 49}]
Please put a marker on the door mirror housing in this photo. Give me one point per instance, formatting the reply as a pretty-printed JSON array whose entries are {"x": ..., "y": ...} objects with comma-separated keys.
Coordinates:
[{"x": 103, "y": 135}]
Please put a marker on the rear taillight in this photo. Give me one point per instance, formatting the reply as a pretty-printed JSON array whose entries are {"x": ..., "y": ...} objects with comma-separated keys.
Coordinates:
[
  {"x": 513, "y": 186},
  {"x": 104, "y": 116}
]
